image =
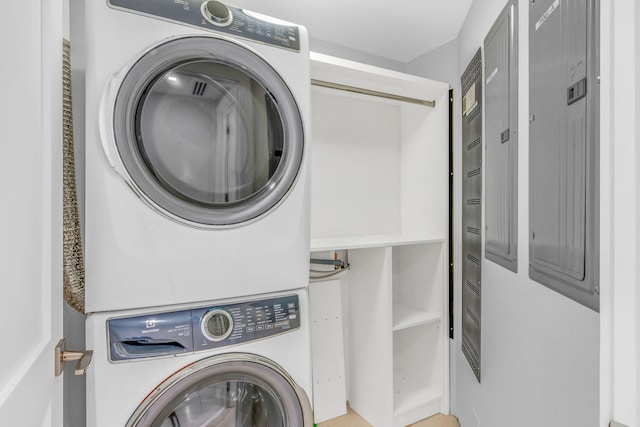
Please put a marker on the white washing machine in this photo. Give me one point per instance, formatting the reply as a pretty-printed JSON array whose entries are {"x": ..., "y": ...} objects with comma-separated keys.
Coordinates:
[
  {"x": 197, "y": 130},
  {"x": 232, "y": 363}
]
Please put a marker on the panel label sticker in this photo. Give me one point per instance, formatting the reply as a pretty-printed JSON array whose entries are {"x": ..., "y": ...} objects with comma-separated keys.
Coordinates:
[
  {"x": 492, "y": 75},
  {"x": 469, "y": 102},
  {"x": 548, "y": 13}
]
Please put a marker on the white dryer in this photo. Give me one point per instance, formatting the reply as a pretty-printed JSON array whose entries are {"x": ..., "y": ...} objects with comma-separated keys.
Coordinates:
[
  {"x": 232, "y": 363},
  {"x": 197, "y": 129}
]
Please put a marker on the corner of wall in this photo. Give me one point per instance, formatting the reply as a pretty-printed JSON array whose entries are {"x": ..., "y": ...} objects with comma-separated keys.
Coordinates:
[{"x": 327, "y": 48}]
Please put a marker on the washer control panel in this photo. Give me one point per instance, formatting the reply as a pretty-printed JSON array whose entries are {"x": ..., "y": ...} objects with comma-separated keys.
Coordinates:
[
  {"x": 200, "y": 328},
  {"x": 239, "y": 323},
  {"x": 217, "y": 16}
]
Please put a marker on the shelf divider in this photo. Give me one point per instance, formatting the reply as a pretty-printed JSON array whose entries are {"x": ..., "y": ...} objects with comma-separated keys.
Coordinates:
[{"x": 405, "y": 316}]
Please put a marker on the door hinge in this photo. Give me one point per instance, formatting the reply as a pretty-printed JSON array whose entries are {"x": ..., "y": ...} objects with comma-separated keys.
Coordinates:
[{"x": 62, "y": 356}]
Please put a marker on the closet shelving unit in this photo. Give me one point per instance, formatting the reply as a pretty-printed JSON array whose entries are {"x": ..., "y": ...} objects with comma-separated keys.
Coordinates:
[{"x": 380, "y": 191}]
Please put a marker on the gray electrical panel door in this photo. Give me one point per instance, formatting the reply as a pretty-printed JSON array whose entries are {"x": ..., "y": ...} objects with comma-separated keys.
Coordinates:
[
  {"x": 501, "y": 139},
  {"x": 471, "y": 211},
  {"x": 564, "y": 102}
]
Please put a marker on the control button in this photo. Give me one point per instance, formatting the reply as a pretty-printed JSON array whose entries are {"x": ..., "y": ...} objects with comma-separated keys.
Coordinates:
[
  {"x": 269, "y": 326},
  {"x": 278, "y": 324},
  {"x": 251, "y": 328},
  {"x": 217, "y": 13},
  {"x": 260, "y": 328},
  {"x": 292, "y": 316},
  {"x": 216, "y": 325}
]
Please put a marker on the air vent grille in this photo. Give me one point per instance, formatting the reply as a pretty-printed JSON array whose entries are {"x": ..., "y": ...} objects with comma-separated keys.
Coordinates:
[
  {"x": 473, "y": 230},
  {"x": 199, "y": 88},
  {"x": 474, "y": 144},
  {"x": 473, "y": 288},
  {"x": 473, "y": 259},
  {"x": 473, "y": 173}
]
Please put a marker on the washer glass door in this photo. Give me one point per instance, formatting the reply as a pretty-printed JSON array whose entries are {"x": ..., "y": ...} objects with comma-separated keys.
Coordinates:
[
  {"x": 227, "y": 403},
  {"x": 238, "y": 390},
  {"x": 208, "y": 131}
]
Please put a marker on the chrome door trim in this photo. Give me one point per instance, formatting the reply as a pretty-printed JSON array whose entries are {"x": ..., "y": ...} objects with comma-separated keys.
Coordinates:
[
  {"x": 142, "y": 416},
  {"x": 118, "y": 110}
]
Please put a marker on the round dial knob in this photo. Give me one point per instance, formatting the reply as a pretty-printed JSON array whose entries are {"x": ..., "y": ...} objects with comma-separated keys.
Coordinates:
[
  {"x": 217, "y": 325},
  {"x": 216, "y": 12}
]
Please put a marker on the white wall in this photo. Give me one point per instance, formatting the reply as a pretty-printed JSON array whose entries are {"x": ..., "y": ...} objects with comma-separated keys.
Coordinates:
[
  {"x": 620, "y": 75},
  {"x": 540, "y": 350},
  {"x": 439, "y": 64},
  {"x": 327, "y": 48}
]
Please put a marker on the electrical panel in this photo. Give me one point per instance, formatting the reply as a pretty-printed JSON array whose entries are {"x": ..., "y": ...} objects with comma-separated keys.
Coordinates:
[
  {"x": 564, "y": 144},
  {"x": 501, "y": 139},
  {"x": 471, "y": 83}
]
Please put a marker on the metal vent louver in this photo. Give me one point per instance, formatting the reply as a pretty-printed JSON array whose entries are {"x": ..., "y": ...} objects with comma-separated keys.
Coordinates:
[{"x": 199, "y": 88}]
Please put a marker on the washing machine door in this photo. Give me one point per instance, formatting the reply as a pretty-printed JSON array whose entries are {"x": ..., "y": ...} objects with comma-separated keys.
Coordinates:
[
  {"x": 207, "y": 131},
  {"x": 230, "y": 390}
]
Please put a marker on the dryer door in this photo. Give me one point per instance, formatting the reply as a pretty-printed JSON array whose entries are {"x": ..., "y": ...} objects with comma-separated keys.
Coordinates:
[
  {"x": 230, "y": 390},
  {"x": 207, "y": 131}
]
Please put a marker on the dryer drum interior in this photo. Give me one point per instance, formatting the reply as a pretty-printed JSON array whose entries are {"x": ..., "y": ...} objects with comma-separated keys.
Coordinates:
[
  {"x": 239, "y": 390},
  {"x": 207, "y": 131}
]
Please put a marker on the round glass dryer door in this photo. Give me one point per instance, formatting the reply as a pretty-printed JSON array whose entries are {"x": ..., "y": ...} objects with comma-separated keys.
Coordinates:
[
  {"x": 207, "y": 131},
  {"x": 233, "y": 390}
]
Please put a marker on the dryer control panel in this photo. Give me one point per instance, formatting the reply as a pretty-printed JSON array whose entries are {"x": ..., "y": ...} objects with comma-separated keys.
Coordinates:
[
  {"x": 200, "y": 328},
  {"x": 217, "y": 16}
]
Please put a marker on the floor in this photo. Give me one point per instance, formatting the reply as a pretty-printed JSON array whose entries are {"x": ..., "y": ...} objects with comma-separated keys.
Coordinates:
[{"x": 352, "y": 419}]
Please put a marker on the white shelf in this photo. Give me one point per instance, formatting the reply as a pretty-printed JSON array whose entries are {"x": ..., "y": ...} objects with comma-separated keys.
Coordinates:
[
  {"x": 405, "y": 317},
  {"x": 409, "y": 394},
  {"x": 363, "y": 242},
  {"x": 379, "y": 190}
]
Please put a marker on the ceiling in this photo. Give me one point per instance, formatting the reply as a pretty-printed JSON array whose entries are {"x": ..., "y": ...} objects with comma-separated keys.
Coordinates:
[{"x": 400, "y": 30}]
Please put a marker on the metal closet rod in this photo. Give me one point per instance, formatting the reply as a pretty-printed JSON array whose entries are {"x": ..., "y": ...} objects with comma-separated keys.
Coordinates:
[{"x": 363, "y": 91}]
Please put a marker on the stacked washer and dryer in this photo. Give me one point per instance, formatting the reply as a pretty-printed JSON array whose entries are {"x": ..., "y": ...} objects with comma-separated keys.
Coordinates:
[{"x": 196, "y": 215}]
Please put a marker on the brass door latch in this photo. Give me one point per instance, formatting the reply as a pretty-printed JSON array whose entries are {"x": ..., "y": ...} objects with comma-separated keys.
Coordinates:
[{"x": 62, "y": 356}]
